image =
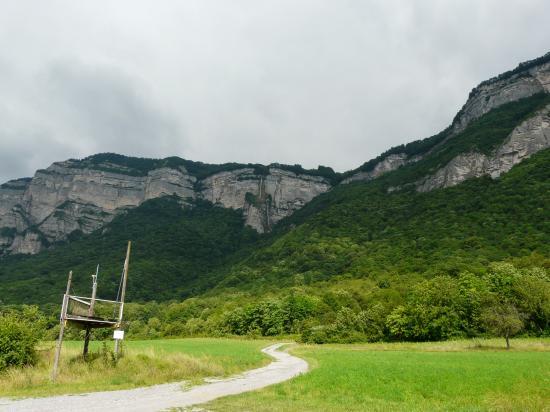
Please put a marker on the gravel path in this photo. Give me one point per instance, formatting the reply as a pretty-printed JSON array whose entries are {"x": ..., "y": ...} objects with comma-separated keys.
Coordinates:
[{"x": 171, "y": 395}]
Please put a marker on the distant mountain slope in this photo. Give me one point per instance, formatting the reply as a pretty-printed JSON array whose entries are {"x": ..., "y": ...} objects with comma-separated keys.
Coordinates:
[
  {"x": 528, "y": 79},
  {"x": 83, "y": 195},
  {"x": 356, "y": 230},
  {"x": 193, "y": 224},
  {"x": 360, "y": 230}
]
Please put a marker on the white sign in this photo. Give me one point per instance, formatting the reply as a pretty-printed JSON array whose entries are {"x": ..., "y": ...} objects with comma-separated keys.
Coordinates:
[{"x": 118, "y": 334}]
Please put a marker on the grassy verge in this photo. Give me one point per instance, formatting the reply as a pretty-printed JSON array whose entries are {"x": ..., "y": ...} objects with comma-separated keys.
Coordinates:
[
  {"x": 144, "y": 363},
  {"x": 451, "y": 376}
]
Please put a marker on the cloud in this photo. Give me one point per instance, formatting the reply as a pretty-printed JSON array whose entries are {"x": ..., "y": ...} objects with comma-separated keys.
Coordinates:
[
  {"x": 105, "y": 109},
  {"x": 291, "y": 81}
]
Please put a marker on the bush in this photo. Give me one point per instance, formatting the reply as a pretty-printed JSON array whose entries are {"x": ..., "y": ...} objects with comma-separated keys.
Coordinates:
[
  {"x": 19, "y": 333},
  {"x": 271, "y": 317}
]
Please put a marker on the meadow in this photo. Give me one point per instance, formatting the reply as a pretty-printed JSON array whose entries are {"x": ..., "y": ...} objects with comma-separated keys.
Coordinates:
[
  {"x": 143, "y": 363},
  {"x": 469, "y": 375},
  {"x": 462, "y": 375}
]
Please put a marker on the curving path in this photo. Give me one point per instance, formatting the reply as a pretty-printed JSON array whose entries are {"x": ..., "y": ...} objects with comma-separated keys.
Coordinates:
[{"x": 170, "y": 395}]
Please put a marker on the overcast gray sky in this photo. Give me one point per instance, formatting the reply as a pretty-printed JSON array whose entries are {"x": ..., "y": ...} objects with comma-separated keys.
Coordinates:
[{"x": 292, "y": 81}]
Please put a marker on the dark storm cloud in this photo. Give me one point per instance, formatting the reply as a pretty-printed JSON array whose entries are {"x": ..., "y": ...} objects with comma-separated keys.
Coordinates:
[{"x": 294, "y": 81}]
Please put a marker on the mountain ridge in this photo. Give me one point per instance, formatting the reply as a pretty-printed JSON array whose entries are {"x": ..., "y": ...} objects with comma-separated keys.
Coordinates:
[
  {"x": 276, "y": 214},
  {"x": 82, "y": 195}
]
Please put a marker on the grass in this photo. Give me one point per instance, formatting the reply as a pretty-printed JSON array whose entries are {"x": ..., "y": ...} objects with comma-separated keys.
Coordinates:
[
  {"x": 477, "y": 375},
  {"x": 144, "y": 363}
]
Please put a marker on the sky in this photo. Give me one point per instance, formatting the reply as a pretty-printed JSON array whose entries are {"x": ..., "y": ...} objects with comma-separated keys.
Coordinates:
[{"x": 310, "y": 82}]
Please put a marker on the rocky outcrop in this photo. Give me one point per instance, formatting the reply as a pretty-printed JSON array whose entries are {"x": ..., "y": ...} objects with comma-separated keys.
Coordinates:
[
  {"x": 525, "y": 140},
  {"x": 265, "y": 199},
  {"x": 529, "y": 78},
  {"x": 388, "y": 164},
  {"x": 67, "y": 197},
  {"x": 504, "y": 89}
]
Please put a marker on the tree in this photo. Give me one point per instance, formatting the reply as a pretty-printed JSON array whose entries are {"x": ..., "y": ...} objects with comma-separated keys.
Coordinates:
[{"x": 502, "y": 320}]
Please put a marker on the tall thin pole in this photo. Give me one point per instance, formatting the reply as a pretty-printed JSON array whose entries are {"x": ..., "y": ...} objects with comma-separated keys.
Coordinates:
[
  {"x": 123, "y": 292},
  {"x": 62, "y": 320},
  {"x": 90, "y": 313}
]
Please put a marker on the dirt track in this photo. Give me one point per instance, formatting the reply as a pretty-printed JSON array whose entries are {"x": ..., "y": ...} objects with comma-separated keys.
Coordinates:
[{"x": 171, "y": 395}]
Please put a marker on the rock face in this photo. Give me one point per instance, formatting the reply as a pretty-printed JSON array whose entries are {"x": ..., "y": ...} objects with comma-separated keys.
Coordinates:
[
  {"x": 528, "y": 79},
  {"x": 265, "y": 199},
  {"x": 67, "y": 197},
  {"x": 526, "y": 139},
  {"x": 494, "y": 93},
  {"x": 389, "y": 163}
]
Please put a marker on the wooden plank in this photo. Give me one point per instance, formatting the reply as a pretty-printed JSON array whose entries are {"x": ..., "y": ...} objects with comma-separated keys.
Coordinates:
[
  {"x": 62, "y": 321},
  {"x": 79, "y": 300},
  {"x": 97, "y": 299}
]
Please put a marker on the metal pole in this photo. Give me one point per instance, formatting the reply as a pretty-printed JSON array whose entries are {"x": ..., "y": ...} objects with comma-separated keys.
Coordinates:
[
  {"x": 61, "y": 326},
  {"x": 90, "y": 313},
  {"x": 123, "y": 294}
]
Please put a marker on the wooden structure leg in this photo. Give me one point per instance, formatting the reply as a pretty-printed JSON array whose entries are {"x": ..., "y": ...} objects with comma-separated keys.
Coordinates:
[
  {"x": 123, "y": 293},
  {"x": 61, "y": 327},
  {"x": 86, "y": 342},
  {"x": 90, "y": 314}
]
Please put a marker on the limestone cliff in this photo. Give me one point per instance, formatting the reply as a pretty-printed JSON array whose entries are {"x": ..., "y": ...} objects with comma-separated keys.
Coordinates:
[
  {"x": 266, "y": 199},
  {"x": 529, "y": 78},
  {"x": 70, "y": 196},
  {"x": 83, "y": 195},
  {"x": 506, "y": 88},
  {"x": 526, "y": 139},
  {"x": 387, "y": 164}
]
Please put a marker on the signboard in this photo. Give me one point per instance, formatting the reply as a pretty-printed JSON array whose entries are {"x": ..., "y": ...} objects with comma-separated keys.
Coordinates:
[{"x": 118, "y": 334}]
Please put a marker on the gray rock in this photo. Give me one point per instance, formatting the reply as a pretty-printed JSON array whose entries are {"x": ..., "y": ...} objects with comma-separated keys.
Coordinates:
[
  {"x": 525, "y": 140},
  {"x": 264, "y": 199},
  {"x": 389, "y": 163},
  {"x": 490, "y": 95},
  {"x": 484, "y": 98},
  {"x": 67, "y": 197}
]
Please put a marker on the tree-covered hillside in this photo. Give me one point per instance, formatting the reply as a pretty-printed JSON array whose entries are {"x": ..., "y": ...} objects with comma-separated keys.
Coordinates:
[
  {"x": 357, "y": 230},
  {"x": 360, "y": 230},
  {"x": 173, "y": 248}
]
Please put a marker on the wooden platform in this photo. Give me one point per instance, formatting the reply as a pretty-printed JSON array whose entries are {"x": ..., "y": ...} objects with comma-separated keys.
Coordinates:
[{"x": 90, "y": 322}]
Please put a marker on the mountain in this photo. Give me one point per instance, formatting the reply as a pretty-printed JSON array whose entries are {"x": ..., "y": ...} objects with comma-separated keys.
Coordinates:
[
  {"x": 81, "y": 196},
  {"x": 475, "y": 193}
]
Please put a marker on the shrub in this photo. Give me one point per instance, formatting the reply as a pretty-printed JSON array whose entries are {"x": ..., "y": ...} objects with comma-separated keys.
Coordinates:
[{"x": 19, "y": 333}]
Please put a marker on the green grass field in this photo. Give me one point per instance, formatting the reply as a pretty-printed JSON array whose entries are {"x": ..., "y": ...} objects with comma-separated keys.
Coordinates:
[
  {"x": 144, "y": 363},
  {"x": 475, "y": 375},
  {"x": 446, "y": 376}
]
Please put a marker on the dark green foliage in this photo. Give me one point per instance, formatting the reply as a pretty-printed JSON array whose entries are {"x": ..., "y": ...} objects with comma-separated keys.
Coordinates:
[
  {"x": 321, "y": 171},
  {"x": 16, "y": 184},
  {"x": 19, "y": 333},
  {"x": 522, "y": 67},
  {"x": 359, "y": 230},
  {"x": 138, "y": 166},
  {"x": 8, "y": 232},
  {"x": 173, "y": 247}
]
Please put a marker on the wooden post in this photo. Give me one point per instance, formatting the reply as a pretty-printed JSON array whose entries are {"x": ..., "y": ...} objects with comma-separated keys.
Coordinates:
[
  {"x": 61, "y": 326},
  {"x": 90, "y": 313},
  {"x": 123, "y": 294}
]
